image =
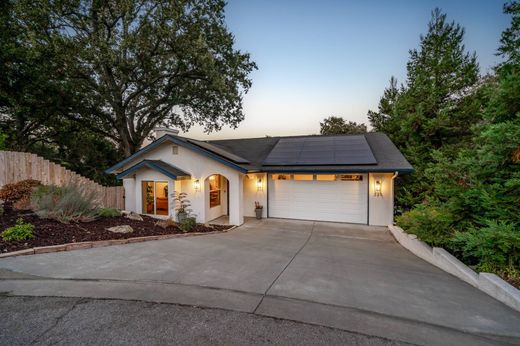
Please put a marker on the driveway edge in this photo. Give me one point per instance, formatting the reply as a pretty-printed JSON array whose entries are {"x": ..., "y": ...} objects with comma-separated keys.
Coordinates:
[
  {"x": 488, "y": 283},
  {"x": 373, "y": 323},
  {"x": 103, "y": 243}
]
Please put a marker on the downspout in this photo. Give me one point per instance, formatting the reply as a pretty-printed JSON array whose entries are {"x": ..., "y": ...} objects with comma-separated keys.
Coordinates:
[
  {"x": 393, "y": 199},
  {"x": 368, "y": 199},
  {"x": 267, "y": 195}
]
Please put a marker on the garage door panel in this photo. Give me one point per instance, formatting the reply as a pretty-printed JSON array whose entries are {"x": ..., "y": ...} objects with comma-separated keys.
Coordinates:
[{"x": 340, "y": 201}]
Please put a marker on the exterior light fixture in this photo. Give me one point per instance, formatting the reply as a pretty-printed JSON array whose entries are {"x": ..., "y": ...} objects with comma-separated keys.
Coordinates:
[
  {"x": 377, "y": 187},
  {"x": 259, "y": 185},
  {"x": 196, "y": 185}
]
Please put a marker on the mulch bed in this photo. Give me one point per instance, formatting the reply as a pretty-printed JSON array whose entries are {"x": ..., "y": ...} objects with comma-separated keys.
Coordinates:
[{"x": 49, "y": 232}]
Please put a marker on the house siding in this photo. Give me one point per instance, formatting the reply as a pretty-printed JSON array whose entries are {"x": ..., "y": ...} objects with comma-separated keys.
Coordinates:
[
  {"x": 252, "y": 195},
  {"x": 381, "y": 208},
  {"x": 199, "y": 167},
  {"x": 242, "y": 189}
]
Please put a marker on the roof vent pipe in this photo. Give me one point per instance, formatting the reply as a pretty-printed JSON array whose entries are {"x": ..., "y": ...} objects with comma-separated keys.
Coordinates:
[{"x": 161, "y": 131}]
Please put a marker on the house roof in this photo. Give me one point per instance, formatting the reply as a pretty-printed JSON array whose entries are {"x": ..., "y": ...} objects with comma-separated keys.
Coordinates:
[
  {"x": 369, "y": 152},
  {"x": 219, "y": 151},
  {"x": 160, "y": 166},
  {"x": 257, "y": 150},
  {"x": 223, "y": 156}
]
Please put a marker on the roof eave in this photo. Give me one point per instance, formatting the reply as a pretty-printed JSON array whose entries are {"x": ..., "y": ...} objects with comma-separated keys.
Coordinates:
[
  {"x": 188, "y": 145},
  {"x": 151, "y": 165},
  {"x": 334, "y": 170}
]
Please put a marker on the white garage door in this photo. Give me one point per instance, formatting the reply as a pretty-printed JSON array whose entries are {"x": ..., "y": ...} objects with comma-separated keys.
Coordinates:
[{"x": 324, "y": 200}]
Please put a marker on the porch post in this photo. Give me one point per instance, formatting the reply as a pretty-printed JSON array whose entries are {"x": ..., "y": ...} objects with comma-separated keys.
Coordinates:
[
  {"x": 130, "y": 195},
  {"x": 236, "y": 197}
]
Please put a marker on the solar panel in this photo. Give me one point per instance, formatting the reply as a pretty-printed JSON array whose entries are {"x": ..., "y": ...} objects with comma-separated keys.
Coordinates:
[{"x": 319, "y": 150}]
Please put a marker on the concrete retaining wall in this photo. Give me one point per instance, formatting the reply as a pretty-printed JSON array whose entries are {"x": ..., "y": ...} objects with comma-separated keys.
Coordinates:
[{"x": 486, "y": 282}]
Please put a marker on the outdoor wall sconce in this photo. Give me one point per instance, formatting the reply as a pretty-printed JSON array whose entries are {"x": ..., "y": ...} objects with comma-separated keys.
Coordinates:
[
  {"x": 196, "y": 185},
  {"x": 259, "y": 185},
  {"x": 377, "y": 187}
]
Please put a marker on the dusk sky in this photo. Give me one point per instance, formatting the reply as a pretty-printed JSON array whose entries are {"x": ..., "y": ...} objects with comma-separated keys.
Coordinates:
[{"x": 322, "y": 58}]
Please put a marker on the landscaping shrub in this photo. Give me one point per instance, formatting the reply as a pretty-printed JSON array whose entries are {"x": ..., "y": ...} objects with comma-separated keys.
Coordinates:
[
  {"x": 64, "y": 204},
  {"x": 166, "y": 223},
  {"x": 432, "y": 224},
  {"x": 108, "y": 212},
  {"x": 188, "y": 224},
  {"x": 19, "y": 193},
  {"x": 21, "y": 231},
  {"x": 182, "y": 206},
  {"x": 492, "y": 248}
]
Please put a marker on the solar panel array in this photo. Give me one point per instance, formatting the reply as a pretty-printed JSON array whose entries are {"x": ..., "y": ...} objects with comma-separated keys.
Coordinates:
[{"x": 321, "y": 150}]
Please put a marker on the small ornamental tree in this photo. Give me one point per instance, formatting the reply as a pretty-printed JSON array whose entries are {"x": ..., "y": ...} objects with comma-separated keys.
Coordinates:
[{"x": 182, "y": 206}]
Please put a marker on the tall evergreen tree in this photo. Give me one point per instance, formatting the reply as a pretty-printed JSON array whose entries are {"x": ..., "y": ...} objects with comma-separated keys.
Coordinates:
[
  {"x": 474, "y": 204},
  {"x": 380, "y": 119},
  {"x": 434, "y": 107}
]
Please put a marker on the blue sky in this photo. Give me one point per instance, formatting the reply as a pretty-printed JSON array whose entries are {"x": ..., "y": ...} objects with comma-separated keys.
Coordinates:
[{"x": 321, "y": 58}]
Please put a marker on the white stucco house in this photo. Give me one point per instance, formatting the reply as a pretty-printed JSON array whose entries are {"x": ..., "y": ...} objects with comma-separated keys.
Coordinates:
[{"x": 346, "y": 178}]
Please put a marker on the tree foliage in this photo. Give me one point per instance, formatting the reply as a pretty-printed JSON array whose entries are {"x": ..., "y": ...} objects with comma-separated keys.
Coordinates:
[
  {"x": 135, "y": 64},
  {"x": 339, "y": 126},
  {"x": 432, "y": 109},
  {"x": 84, "y": 82},
  {"x": 30, "y": 98},
  {"x": 468, "y": 152}
]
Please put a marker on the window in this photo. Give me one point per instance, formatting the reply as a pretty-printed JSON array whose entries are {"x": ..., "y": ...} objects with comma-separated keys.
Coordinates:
[
  {"x": 161, "y": 198},
  {"x": 350, "y": 177},
  {"x": 148, "y": 197},
  {"x": 326, "y": 177},
  {"x": 214, "y": 190},
  {"x": 281, "y": 177},
  {"x": 155, "y": 197},
  {"x": 175, "y": 149},
  {"x": 303, "y": 177}
]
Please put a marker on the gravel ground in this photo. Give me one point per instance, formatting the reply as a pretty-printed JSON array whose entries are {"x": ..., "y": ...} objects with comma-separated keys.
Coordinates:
[{"x": 74, "y": 321}]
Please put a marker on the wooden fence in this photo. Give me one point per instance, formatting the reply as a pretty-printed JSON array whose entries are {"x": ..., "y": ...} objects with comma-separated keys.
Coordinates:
[{"x": 16, "y": 166}]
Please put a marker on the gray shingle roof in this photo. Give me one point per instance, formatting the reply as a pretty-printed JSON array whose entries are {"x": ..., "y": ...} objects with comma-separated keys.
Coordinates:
[
  {"x": 219, "y": 151},
  {"x": 249, "y": 154}
]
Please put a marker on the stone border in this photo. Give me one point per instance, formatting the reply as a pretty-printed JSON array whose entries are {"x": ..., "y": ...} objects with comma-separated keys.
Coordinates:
[
  {"x": 103, "y": 243},
  {"x": 488, "y": 283}
]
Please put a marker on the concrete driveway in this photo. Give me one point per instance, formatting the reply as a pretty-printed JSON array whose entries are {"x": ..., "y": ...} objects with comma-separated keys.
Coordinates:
[{"x": 355, "y": 278}]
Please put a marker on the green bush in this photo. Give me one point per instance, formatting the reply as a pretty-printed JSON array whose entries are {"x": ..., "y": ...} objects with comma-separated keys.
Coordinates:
[
  {"x": 108, "y": 212},
  {"x": 21, "y": 231},
  {"x": 432, "y": 224},
  {"x": 493, "y": 248},
  {"x": 3, "y": 141},
  {"x": 187, "y": 224},
  {"x": 65, "y": 204}
]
